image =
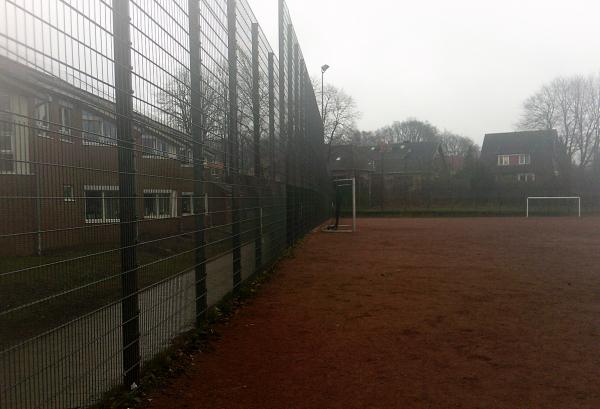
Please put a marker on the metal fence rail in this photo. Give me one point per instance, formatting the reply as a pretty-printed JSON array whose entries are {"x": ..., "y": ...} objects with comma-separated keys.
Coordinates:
[{"x": 153, "y": 155}]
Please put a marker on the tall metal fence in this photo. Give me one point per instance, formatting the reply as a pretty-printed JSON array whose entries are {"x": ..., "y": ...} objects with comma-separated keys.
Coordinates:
[{"x": 154, "y": 154}]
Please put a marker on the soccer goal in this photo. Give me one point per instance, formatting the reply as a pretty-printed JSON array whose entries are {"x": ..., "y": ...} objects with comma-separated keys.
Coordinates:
[
  {"x": 344, "y": 197},
  {"x": 570, "y": 204}
]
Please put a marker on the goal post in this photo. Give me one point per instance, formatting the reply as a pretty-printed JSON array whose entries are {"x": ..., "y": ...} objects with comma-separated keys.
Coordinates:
[
  {"x": 571, "y": 198},
  {"x": 341, "y": 184}
]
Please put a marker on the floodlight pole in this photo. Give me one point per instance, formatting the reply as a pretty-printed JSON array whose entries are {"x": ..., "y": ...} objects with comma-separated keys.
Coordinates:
[{"x": 323, "y": 69}]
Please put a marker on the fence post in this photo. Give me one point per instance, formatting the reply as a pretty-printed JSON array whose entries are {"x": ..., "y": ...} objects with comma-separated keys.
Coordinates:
[
  {"x": 257, "y": 157},
  {"x": 283, "y": 121},
  {"x": 197, "y": 139},
  {"x": 127, "y": 192},
  {"x": 292, "y": 194},
  {"x": 272, "y": 115},
  {"x": 233, "y": 144}
]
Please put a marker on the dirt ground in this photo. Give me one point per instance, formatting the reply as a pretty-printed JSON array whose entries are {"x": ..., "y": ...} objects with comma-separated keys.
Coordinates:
[{"x": 416, "y": 313}]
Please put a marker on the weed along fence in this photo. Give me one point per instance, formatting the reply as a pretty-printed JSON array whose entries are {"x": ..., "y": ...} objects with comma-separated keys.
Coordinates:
[{"x": 153, "y": 156}]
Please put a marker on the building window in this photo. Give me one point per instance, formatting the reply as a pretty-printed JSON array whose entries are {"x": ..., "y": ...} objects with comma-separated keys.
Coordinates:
[
  {"x": 503, "y": 160},
  {"x": 101, "y": 204},
  {"x": 187, "y": 203},
  {"x": 157, "y": 148},
  {"x": 68, "y": 193},
  {"x": 65, "y": 115},
  {"x": 524, "y": 159},
  {"x": 41, "y": 114},
  {"x": 526, "y": 177},
  {"x": 98, "y": 131},
  {"x": 7, "y": 136},
  {"x": 185, "y": 156},
  {"x": 159, "y": 204}
]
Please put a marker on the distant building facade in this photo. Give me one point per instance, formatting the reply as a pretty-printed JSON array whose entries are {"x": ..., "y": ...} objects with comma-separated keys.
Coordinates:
[
  {"x": 528, "y": 158},
  {"x": 59, "y": 156},
  {"x": 389, "y": 172}
]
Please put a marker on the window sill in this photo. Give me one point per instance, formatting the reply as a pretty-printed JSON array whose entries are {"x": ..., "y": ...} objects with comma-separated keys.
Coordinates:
[
  {"x": 99, "y": 144},
  {"x": 102, "y": 221}
]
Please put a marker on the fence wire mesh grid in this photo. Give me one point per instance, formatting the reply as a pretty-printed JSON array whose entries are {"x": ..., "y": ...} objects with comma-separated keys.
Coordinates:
[{"x": 153, "y": 156}]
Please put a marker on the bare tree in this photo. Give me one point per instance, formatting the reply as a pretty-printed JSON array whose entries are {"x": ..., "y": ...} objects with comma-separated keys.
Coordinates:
[
  {"x": 572, "y": 107},
  {"x": 456, "y": 145},
  {"x": 410, "y": 130},
  {"x": 339, "y": 114}
]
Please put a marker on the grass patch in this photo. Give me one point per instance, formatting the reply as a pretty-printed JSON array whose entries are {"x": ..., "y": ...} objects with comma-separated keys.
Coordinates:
[{"x": 44, "y": 292}]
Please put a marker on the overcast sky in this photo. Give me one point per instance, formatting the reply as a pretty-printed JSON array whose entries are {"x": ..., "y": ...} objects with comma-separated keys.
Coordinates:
[{"x": 463, "y": 65}]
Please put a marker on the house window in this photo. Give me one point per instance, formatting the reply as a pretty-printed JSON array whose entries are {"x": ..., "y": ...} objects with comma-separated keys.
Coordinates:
[
  {"x": 187, "y": 203},
  {"x": 157, "y": 148},
  {"x": 526, "y": 177},
  {"x": 101, "y": 204},
  {"x": 159, "y": 204},
  {"x": 65, "y": 114},
  {"x": 524, "y": 159},
  {"x": 503, "y": 160},
  {"x": 185, "y": 156},
  {"x": 41, "y": 114},
  {"x": 68, "y": 193},
  {"x": 7, "y": 136},
  {"x": 98, "y": 131}
]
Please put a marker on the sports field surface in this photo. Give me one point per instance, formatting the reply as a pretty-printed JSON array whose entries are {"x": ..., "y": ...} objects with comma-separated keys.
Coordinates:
[{"x": 416, "y": 313}]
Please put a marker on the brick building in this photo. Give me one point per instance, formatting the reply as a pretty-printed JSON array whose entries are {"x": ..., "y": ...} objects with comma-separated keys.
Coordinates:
[{"x": 59, "y": 176}]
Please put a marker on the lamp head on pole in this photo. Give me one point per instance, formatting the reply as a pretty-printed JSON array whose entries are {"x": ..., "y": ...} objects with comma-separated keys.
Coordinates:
[{"x": 324, "y": 68}]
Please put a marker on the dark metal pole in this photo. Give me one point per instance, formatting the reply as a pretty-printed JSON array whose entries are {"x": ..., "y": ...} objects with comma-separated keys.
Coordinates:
[
  {"x": 292, "y": 184},
  {"x": 283, "y": 117},
  {"x": 127, "y": 193},
  {"x": 323, "y": 95},
  {"x": 233, "y": 144},
  {"x": 197, "y": 138},
  {"x": 257, "y": 157},
  {"x": 272, "y": 114}
]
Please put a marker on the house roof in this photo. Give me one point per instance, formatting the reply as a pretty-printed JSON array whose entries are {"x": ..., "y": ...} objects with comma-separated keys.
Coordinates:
[
  {"x": 397, "y": 158},
  {"x": 410, "y": 157},
  {"x": 518, "y": 142},
  {"x": 348, "y": 157},
  {"x": 540, "y": 144}
]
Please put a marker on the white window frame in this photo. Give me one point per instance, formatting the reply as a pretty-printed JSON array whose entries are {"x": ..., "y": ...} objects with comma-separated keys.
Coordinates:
[
  {"x": 42, "y": 126},
  {"x": 170, "y": 151},
  {"x": 156, "y": 193},
  {"x": 17, "y": 115},
  {"x": 189, "y": 195},
  {"x": 104, "y": 137},
  {"x": 524, "y": 159},
  {"x": 8, "y": 126},
  {"x": 503, "y": 160},
  {"x": 185, "y": 155},
  {"x": 65, "y": 129},
  {"x": 526, "y": 177},
  {"x": 102, "y": 189},
  {"x": 70, "y": 198}
]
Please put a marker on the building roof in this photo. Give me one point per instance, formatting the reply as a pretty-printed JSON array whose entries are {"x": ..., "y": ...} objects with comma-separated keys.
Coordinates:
[
  {"x": 410, "y": 157},
  {"x": 539, "y": 144},
  {"x": 518, "y": 142},
  {"x": 349, "y": 157},
  {"x": 397, "y": 158}
]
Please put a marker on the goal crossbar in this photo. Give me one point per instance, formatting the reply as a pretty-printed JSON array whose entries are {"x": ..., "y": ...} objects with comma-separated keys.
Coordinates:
[{"x": 578, "y": 198}]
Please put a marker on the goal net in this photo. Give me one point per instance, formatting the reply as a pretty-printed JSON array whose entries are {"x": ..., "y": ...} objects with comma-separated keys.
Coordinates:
[
  {"x": 553, "y": 206},
  {"x": 343, "y": 206}
]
